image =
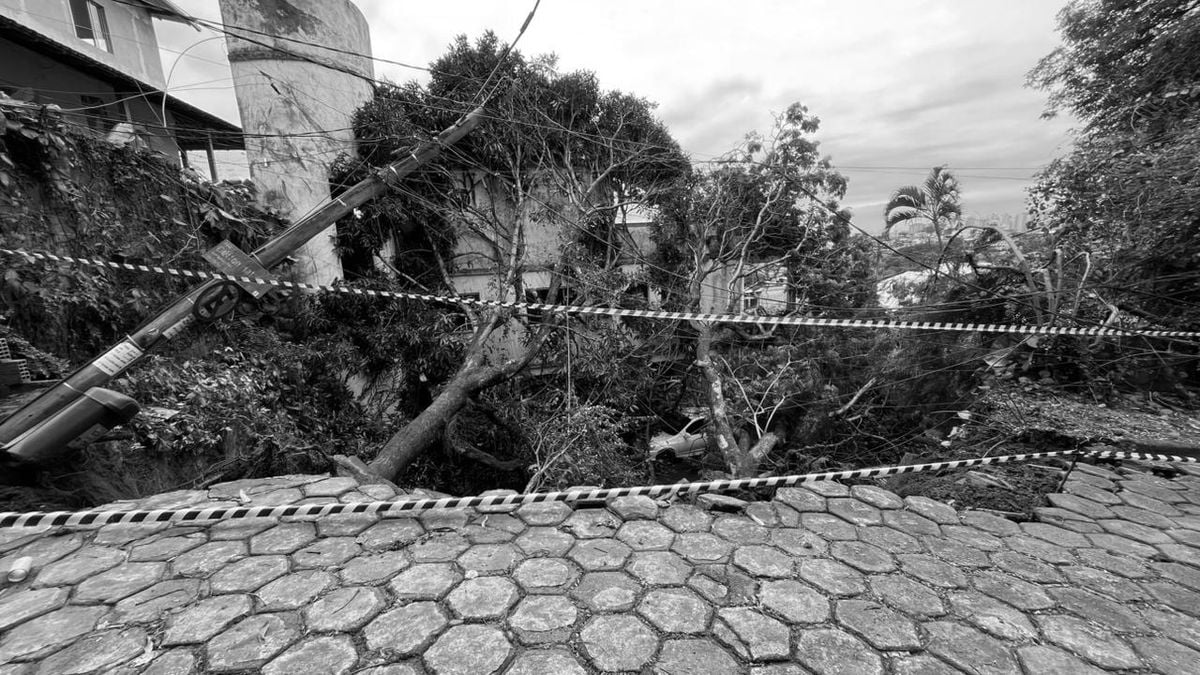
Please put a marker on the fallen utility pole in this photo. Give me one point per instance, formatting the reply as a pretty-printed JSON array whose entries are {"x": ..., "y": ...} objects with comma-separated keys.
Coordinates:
[{"x": 174, "y": 318}]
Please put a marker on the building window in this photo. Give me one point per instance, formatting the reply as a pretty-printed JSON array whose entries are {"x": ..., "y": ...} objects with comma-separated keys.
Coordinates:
[
  {"x": 749, "y": 302},
  {"x": 90, "y": 23}
]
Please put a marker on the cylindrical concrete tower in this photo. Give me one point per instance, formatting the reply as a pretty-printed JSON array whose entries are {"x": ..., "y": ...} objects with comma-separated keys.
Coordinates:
[{"x": 296, "y": 99}]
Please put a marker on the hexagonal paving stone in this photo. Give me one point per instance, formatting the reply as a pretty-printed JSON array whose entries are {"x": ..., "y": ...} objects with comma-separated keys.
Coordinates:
[
  {"x": 855, "y": 511},
  {"x": 345, "y": 609},
  {"x": 932, "y": 571},
  {"x": 675, "y": 610},
  {"x": 1098, "y": 646},
  {"x": 545, "y": 575},
  {"x": 832, "y": 577},
  {"x": 98, "y": 653},
  {"x": 591, "y": 524},
  {"x": 545, "y": 541},
  {"x": 931, "y": 509},
  {"x": 991, "y": 523},
  {"x": 390, "y": 534},
  {"x": 694, "y": 656},
  {"x": 862, "y": 556},
  {"x": 772, "y": 514},
  {"x": 1098, "y": 610},
  {"x": 544, "y": 514},
  {"x": 701, "y": 547},
  {"x": 324, "y": 553},
  {"x": 800, "y": 499},
  {"x": 490, "y": 558},
  {"x": 907, "y": 595},
  {"x": 252, "y": 642},
  {"x": 150, "y": 604},
  {"x": 482, "y": 598},
  {"x": 468, "y": 650},
  {"x": 204, "y": 560},
  {"x": 794, "y": 601},
  {"x": 444, "y": 519},
  {"x": 834, "y": 651},
  {"x": 1042, "y": 659},
  {"x": 956, "y": 552},
  {"x": 1103, "y": 582},
  {"x": 992, "y": 616},
  {"x": 763, "y": 561},
  {"x": 646, "y": 535},
  {"x": 828, "y": 488},
  {"x": 77, "y": 566},
  {"x": 753, "y": 634},
  {"x": 1016, "y": 592},
  {"x": 1021, "y": 565},
  {"x": 294, "y": 590},
  {"x": 619, "y": 642},
  {"x": 876, "y": 496},
  {"x": 607, "y": 591},
  {"x": 739, "y": 530},
  {"x": 406, "y": 630},
  {"x": 828, "y": 526},
  {"x": 1167, "y": 656},
  {"x": 633, "y": 507},
  {"x": 19, "y": 606},
  {"x": 49, "y": 632},
  {"x": 165, "y": 548},
  {"x": 249, "y": 574},
  {"x": 1041, "y": 549},
  {"x": 119, "y": 582},
  {"x": 544, "y": 662},
  {"x": 330, "y": 487},
  {"x": 659, "y": 568},
  {"x": 1182, "y": 574},
  {"x": 798, "y": 542},
  {"x": 375, "y": 568},
  {"x": 1124, "y": 565},
  {"x": 543, "y": 618},
  {"x": 425, "y": 581},
  {"x": 600, "y": 554},
  {"x": 878, "y": 625},
  {"x": 685, "y": 518},
  {"x": 329, "y": 654},
  {"x": 439, "y": 546},
  {"x": 969, "y": 649},
  {"x": 206, "y": 618},
  {"x": 283, "y": 538},
  {"x": 890, "y": 539},
  {"x": 912, "y": 524}
]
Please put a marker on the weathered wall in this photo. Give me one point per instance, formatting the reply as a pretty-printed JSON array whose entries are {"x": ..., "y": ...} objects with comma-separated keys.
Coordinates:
[
  {"x": 134, "y": 44},
  {"x": 282, "y": 91}
]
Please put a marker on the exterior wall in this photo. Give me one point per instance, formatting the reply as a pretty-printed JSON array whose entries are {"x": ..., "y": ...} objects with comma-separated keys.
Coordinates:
[
  {"x": 131, "y": 30},
  {"x": 278, "y": 94},
  {"x": 39, "y": 78}
]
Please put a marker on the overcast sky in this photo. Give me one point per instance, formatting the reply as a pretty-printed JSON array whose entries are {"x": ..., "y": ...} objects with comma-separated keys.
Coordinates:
[{"x": 899, "y": 85}]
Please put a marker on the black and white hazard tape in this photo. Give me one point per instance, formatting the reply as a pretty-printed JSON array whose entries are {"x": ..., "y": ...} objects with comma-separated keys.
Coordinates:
[
  {"x": 881, "y": 324},
  {"x": 198, "y": 515}
]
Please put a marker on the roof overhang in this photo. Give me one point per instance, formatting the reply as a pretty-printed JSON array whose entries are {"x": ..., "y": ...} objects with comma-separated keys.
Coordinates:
[
  {"x": 165, "y": 10},
  {"x": 193, "y": 128}
]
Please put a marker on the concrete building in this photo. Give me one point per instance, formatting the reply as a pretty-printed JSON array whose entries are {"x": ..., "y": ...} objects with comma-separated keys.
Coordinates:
[
  {"x": 98, "y": 60},
  {"x": 301, "y": 68}
]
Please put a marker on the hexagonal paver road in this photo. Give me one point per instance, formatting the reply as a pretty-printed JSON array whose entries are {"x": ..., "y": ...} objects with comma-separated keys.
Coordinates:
[{"x": 824, "y": 578}]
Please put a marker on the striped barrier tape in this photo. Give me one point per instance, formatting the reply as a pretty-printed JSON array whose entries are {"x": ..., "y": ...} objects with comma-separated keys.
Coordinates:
[
  {"x": 198, "y": 515},
  {"x": 883, "y": 324}
]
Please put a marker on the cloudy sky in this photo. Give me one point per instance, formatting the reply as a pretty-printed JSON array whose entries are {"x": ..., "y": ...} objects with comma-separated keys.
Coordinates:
[{"x": 899, "y": 85}]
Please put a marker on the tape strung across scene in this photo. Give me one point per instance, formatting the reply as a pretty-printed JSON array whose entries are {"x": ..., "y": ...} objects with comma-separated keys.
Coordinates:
[
  {"x": 196, "y": 515},
  {"x": 883, "y": 324}
]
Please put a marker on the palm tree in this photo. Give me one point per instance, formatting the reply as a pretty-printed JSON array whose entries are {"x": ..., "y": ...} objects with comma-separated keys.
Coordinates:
[{"x": 936, "y": 201}]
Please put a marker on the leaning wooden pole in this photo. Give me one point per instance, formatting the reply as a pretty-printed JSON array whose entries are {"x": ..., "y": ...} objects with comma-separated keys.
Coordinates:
[{"x": 175, "y": 317}]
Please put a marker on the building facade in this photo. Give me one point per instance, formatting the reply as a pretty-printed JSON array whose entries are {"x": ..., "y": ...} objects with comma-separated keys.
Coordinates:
[{"x": 98, "y": 61}]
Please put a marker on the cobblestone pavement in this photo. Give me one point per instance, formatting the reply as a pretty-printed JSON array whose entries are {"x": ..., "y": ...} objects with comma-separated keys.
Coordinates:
[{"x": 824, "y": 578}]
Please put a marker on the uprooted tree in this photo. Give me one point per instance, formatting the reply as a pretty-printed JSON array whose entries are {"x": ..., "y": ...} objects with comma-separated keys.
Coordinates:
[
  {"x": 767, "y": 209},
  {"x": 510, "y": 213}
]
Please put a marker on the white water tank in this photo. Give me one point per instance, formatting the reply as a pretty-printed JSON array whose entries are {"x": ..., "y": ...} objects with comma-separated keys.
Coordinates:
[{"x": 300, "y": 70}]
